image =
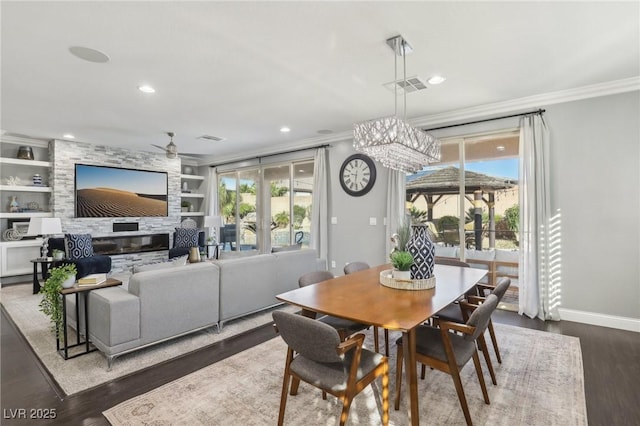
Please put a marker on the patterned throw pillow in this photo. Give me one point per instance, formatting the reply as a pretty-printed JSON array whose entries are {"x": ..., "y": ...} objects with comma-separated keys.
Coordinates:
[
  {"x": 186, "y": 237},
  {"x": 78, "y": 246}
]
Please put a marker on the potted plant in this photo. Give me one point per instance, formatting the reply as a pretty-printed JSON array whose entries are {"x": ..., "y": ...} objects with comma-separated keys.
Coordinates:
[
  {"x": 185, "y": 206},
  {"x": 401, "y": 261},
  {"x": 51, "y": 304},
  {"x": 57, "y": 254},
  {"x": 402, "y": 236}
]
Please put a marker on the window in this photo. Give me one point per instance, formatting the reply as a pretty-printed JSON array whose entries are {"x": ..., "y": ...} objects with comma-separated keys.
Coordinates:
[{"x": 266, "y": 207}]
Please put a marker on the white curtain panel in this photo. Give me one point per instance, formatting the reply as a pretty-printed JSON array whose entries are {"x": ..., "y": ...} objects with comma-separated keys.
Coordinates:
[
  {"x": 320, "y": 205},
  {"x": 396, "y": 189},
  {"x": 210, "y": 201},
  {"x": 535, "y": 215}
]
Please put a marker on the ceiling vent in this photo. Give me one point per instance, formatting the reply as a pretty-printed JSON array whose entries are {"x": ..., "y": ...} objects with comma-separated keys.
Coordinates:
[
  {"x": 211, "y": 138},
  {"x": 413, "y": 84}
]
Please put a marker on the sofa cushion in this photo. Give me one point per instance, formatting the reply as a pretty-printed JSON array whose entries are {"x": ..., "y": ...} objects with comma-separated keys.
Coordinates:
[
  {"x": 78, "y": 246},
  {"x": 177, "y": 261},
  {"x": 186, "y": 237},
  {"x": 446, "y": 251}
]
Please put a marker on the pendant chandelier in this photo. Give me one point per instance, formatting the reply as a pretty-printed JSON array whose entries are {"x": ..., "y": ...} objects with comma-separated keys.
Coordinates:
[{"x": 391, "y": 140}]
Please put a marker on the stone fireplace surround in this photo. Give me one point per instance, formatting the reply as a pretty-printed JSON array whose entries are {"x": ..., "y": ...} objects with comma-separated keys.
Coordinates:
[{"x": 63, "y": 156}]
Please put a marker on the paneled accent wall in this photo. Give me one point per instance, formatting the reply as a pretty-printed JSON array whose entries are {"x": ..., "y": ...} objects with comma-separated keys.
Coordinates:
[{"x": 64, "y": 155}]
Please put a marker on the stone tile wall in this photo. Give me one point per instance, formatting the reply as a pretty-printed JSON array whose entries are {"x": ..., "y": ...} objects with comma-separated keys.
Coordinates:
[{"x": 64, "y": 155}]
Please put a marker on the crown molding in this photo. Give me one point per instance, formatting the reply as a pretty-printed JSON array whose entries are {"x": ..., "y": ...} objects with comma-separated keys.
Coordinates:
[
  {"x": 530, "y": 102},
  {"x": 482, "y": 111}
]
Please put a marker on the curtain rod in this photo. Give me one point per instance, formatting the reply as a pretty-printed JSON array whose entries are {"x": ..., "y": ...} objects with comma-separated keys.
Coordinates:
[
  {"x": 539, "y": 111},
  {"x": 259, "y": 158}
]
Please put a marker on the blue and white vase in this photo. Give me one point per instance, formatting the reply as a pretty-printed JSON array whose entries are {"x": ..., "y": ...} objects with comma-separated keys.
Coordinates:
[{"x": 423, "y": 251}]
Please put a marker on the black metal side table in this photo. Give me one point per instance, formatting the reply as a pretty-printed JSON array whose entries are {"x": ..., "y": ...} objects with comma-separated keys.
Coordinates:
[
  {"x": 44, "y": 268},
  {"x": 63, "y": 346}
]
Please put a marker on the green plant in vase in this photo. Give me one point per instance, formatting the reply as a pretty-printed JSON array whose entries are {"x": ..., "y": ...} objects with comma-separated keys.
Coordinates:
[
  {"x": 401, "y": 261},
  {"x": 51, "y": 303}
]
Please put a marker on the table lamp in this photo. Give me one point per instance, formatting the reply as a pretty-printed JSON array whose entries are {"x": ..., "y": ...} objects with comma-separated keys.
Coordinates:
[
  {"x": 45, "y": 226},
  {"x": 214, "y": 222}
]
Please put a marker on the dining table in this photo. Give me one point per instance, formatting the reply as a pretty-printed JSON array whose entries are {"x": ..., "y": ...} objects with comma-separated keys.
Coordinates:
[{"x": 361, "y": 297}]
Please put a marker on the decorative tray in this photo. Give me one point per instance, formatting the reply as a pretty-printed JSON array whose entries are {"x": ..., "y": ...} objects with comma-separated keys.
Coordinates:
[{"x": 387, "y": 280}]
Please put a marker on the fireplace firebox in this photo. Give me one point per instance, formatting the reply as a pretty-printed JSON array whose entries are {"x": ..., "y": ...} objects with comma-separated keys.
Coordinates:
[{"x": 127, "y": 244}]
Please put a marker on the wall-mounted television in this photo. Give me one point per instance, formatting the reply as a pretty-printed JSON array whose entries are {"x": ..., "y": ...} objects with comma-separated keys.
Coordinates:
[{"x": 103, "y": 191}]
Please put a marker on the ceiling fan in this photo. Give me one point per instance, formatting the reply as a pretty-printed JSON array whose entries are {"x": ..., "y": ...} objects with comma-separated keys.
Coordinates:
[{"x": 171, "y": 149}]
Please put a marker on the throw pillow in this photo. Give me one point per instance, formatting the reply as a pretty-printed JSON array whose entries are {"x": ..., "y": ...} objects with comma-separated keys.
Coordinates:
[
  {"x": 78, "y": 246},
  {"x": 186, "y": 237}
]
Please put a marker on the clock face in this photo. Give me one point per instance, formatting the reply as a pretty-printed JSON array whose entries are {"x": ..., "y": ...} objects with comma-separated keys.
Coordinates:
[{"x": 357, "y": 175}]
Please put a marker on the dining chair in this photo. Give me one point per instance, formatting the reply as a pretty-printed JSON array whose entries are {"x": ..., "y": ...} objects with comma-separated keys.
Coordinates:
[
  {"x": 449, "y": 352},
  {"x": 455, "y": 314},
  {"x": 358, "y": 266},
  {"x": 344, "y": 327},
  {"x": 317, "y": 356}
]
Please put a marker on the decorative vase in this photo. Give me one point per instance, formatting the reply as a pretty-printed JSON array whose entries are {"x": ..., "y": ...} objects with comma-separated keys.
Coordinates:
[
  {"x": 37, "y": 180},
  {"x": 25, "y": 153},
  {"x": 69, "y": 282},
  {"x": 194, "y": 255},
  {"x": 423, "y": 251},
  {"x": 14, "y": 206}
]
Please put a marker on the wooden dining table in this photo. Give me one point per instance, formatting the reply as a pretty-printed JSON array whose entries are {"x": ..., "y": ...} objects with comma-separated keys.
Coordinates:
[{"x": 360, "y": 297}]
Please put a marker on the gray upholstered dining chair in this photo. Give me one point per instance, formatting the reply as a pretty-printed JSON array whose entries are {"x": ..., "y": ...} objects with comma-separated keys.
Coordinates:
[
  {"x": 352, "y": 267},
  {"x": 358, "y": 266},
  {"x": 344, "y": 327},
  {"x": 316, "y": 355},
  {"x": 455, "y": 314},
  {"x": 449, "y": 352}
]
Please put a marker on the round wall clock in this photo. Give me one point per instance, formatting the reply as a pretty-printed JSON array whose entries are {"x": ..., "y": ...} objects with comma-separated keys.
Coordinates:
[{"x": 357, "y": 175}]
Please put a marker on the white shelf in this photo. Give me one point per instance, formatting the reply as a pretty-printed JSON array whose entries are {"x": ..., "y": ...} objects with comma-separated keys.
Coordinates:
[
  {"x": 185, "y": 214},
  {"x": 24, "y": 215},
  {"x": 33, "y": 163},
  {"x": 191, "y": 177},
  {"x": 25, "y": 188},
  {"x": 191, "y": 195}
]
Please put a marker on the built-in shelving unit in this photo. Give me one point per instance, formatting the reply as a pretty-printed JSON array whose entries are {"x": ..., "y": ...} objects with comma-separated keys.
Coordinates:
[
  {"x": 34, "y": 200},
  {"x": 195, "y": 198}
]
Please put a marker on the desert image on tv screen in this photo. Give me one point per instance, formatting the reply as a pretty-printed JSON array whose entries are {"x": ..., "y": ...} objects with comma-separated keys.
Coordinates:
[{"x": 114, "y": 192}]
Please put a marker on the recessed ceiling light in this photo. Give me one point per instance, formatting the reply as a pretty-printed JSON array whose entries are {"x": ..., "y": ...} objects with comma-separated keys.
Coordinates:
[
  {"x": 68, "y": 136},
  {"x": 146, "y": 89},
  {"x": 88, "y": 54},
  {"x": 500, "y": 147},
  {"x": 285, "y": 129},
  {"x": 436, "y": 79}
]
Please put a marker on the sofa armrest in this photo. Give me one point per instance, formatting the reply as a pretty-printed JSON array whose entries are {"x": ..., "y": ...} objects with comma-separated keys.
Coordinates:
[
  {"x": 98, "y": 264},
  {"x": 114, "y": 316}
]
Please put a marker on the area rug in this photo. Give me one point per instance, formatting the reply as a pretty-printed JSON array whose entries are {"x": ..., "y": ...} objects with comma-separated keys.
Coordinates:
[
  {"x": 540, "y": 382},
  {"x": 87, "y": 371}
]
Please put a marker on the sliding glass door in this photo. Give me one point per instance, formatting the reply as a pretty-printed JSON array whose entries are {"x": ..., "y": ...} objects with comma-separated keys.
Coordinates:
[{"x": 267, "y": 207}]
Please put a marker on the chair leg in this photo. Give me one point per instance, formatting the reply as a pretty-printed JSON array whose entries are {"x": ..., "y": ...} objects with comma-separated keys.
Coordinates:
[
  {"x": 455, "y": 375},
  {"x": 346, "y": 405},
  {"x": 399, "y": 362},
  {"x": 324, "y": 395},
  {"x": 483, "y": 386},
  {"x": 485, "y": 352},
  {"x": 285, "y": 388},
  {"x": 423, "y": 370},
  {"x": 386, "y": 343},
  {"x": 385, "y": 394},
  {"x": 375, "y": 338},
  {"x": 492, "y": 333},
  {"x": 294, "y": 386}
]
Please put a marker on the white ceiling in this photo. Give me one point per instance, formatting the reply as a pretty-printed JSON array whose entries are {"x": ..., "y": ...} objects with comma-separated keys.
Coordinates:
[{"x": 241, "y": 70}]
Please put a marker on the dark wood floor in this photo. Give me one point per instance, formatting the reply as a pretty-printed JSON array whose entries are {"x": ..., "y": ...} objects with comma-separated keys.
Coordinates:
[{"x": 611, "y": 361}]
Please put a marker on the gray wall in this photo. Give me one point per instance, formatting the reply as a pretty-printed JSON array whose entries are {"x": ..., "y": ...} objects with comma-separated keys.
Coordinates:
[
  {"x": 595, "y": 173},
  {"x": 595, "y": 177}
]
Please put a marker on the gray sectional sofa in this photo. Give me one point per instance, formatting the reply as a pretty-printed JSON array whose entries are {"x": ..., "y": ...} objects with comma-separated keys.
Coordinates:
[{"x": 162, "y": 304}]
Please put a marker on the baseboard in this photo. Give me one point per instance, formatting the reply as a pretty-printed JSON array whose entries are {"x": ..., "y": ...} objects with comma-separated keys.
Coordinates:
[{"x": 603, "y": 320}]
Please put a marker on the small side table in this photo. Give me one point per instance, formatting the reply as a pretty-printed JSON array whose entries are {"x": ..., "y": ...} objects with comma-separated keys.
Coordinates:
[
  {"x": 44, "y": 268},
  {"x": 212, "y": 251},
  {"x": 63, "y": 350}
]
